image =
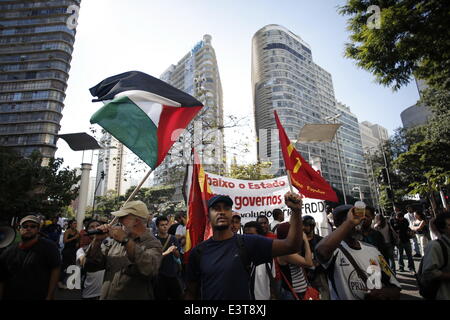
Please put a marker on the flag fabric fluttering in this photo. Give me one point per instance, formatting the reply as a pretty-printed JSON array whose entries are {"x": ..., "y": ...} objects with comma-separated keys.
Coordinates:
[
  {"x": 198, "y": 192},
  {"x": 144, "y": 113},
  {"x": 307, "y": 180}
]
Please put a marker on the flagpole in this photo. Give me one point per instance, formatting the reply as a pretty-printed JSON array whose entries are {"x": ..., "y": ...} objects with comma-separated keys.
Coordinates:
[
  {"x": 290, "y": 180},
  {"x": 138, "y": 187}
]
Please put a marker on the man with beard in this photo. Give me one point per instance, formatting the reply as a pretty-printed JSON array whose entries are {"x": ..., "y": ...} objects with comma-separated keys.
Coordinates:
[
  {"x": 131, "y": 260},
  {"x": 356, "y": 270},
  {"x": 220, "y": 267},
  {"x": 29, "y": 270}
]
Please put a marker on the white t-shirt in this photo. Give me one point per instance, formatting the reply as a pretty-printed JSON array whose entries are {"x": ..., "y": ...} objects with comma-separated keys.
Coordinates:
[
  {"x": 411, "y": 218},
  {"x": 262, "y": 282},
  {"x": 93, "y": 282},
  {"x": 273, "y": 224},
  {"x": 348, "y": 284},
  {"x": 181, "y": 232}
]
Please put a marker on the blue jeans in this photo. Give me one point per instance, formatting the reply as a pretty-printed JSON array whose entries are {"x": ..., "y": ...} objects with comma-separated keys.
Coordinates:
[
  {"x": 407, "y": 247},
  {"x": 416, "y": 245},
  {"x": 390, "y": 256}
]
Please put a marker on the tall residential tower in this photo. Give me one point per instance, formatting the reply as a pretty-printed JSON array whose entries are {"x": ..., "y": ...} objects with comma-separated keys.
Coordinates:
[
  {"x": 286, "y": 79},
  {"x": 36, "y": 44}
]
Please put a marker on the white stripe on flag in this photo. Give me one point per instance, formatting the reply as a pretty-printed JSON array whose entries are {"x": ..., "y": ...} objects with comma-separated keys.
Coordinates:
[{"x": 148, "y": 102}]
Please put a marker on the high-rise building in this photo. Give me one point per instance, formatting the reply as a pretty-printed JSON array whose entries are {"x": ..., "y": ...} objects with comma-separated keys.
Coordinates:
[
  {"x": 372, "y": 137},
  {"x": 286, "y": 79},
  {"x": 372, "y": 134},
  {"x": 197, "y": 74},
  {"x": 354, "y": 164},
  {"x": 36, "y": 44},
  {"x": 111, "y": 166},
  {"x": 417, "y": 114}
]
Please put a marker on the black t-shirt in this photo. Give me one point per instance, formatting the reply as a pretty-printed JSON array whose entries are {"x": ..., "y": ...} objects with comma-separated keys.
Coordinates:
[
  {"x": 169, "y": 267},
  {"x": 173, "y": 229},
  {"x": 26, "y": 273},
  {"x": 221, "y": 273},
  {"x": 401, "y": 227}
]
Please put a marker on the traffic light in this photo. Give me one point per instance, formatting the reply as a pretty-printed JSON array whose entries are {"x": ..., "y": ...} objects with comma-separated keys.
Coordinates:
[{"x": 384, "y": 176}]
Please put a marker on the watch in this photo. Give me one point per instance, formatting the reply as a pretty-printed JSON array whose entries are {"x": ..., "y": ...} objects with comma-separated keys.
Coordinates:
[{"x": 125, "y": 241}]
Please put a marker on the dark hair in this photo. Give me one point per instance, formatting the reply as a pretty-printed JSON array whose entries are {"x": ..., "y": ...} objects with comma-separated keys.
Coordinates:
[
  {"x": 70, "y": 222},
  {"x": 440, "y": 221},
  {"x": 421, "y": 215},
  {"x": 238, "y": 216},
  {"x": 159, "y": 219},
  {"x": 371, "y": 210},
  {"x": 262, "y": 216},
  {"x": 277, "y": 213},
  {"x": 91, "y": 221},
  {"x": 254, "y": 224},
  {"x": 283, "y": 230},
  {"x": 308, "y": 221}
]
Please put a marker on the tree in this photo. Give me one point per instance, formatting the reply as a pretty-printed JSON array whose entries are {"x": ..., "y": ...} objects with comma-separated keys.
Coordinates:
[
  {"x": 250, "y": 171},
  {"x": 26, "y": 186},
  {"x": 412, "y": 40}
]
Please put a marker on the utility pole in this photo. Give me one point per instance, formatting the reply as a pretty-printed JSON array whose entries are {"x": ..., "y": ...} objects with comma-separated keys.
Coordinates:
[
  {"x": 339, "y": 154},
  {"x": 388, "y": 176}
]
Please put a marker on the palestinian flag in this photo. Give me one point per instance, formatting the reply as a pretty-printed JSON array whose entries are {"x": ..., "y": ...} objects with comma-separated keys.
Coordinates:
[{"x": 144, "y": 113}]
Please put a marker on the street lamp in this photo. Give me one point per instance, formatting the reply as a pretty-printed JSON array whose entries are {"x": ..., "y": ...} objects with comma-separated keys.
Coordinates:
[
  {"x": 361, "y": 195},
  {"x": 334, "y": 118}
]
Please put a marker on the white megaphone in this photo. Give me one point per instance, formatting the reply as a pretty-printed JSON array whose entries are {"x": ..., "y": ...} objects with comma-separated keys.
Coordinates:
[{"x": 7, "y": 236}]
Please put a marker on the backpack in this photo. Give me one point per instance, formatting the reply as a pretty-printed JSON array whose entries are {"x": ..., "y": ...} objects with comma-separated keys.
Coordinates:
[
  {"x": 429, "y": 290},
  {"x": 243, "y": 254}
]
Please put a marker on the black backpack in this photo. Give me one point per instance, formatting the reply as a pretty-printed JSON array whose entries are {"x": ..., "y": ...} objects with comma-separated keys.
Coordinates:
[{"x": 429, "y": 290}]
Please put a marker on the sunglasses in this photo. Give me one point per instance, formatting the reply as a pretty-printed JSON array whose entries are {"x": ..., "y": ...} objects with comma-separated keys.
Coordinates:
[{"x": 29, "y": 226}]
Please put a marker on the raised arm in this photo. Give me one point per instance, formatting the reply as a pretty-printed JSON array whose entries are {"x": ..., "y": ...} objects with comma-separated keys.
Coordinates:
[
  {"x": 293, "y": 241},
  {"x": 329, "y": 244}
]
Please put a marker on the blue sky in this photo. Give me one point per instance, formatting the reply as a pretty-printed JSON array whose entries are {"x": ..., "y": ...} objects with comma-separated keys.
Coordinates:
[{"x": 114, "y": 36}]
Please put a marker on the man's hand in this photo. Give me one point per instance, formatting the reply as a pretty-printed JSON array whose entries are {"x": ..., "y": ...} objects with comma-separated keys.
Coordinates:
[
  {"x": 117, "y": 233},
  {"x": 170, "y": 250},
  {"x": 352, "y": 218},
  {"x": 100, "y": 237},
  {"x": 293, "y": 201}
]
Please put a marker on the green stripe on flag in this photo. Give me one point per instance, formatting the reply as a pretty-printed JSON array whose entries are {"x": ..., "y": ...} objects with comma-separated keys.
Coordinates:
[{"x": 131, "y": 126}]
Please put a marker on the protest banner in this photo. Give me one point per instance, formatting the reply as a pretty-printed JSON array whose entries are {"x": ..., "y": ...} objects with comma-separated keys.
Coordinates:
[{"x": 260, "y": 197}]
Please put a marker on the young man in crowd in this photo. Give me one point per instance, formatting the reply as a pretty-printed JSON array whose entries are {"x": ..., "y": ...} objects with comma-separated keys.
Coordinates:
[
  {"x": 265, "y": 226},
  {"x": 411, "y": 218},
  {"x": 401, "y": 226},
  {"x": 236, "y": 225},
  {"x": 168, "y": 283},
  {"x": 370, "y": 235},
  {"x": 435, "y": 267},
  {"x": 217, "y": 269},
  {"x": 316, "y": 275},
  {"x": 349, "y": 261},
  {"x": 278, "y": 217},
  {"x": 29, "y": 270}
]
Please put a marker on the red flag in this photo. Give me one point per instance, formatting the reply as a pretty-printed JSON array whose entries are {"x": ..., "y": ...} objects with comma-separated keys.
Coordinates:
[
  {"x": 308, "y": 181},
  {"x": 199, "y": 192}
]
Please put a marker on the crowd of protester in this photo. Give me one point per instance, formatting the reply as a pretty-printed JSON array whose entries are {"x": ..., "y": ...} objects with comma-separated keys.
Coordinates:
[{"x": 141, "y": 256}]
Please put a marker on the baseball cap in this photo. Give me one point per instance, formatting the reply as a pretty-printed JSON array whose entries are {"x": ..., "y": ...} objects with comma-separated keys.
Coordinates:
[
  {"x": 136, "y": 208},
  {"x": 341, "y": 210},
  {"x": 30, "y": 218},
  {"x": 219, "y": 198}
]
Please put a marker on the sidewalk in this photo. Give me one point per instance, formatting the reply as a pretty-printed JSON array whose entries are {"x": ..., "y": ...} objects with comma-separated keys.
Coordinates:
[{"x": 410, "y": 291}]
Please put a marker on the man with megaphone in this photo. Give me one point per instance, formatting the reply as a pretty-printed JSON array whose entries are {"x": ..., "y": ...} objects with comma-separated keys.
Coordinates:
[{"x": 29, "y": 270}]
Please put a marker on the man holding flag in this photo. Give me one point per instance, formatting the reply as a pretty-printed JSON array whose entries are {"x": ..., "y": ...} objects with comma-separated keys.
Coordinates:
[{"x": 147, "y": 115}]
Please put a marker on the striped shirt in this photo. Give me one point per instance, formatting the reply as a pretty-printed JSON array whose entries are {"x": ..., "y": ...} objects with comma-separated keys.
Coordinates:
[{"x": 296, "y": 278}]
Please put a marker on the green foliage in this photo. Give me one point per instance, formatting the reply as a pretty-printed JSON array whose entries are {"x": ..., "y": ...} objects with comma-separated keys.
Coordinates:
[
  {"x": 27, "y": 186},
  {"x": 413, "y": 40},
  {"x": 157, "y": 199},
  {"x": 250, "y": 171}
]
